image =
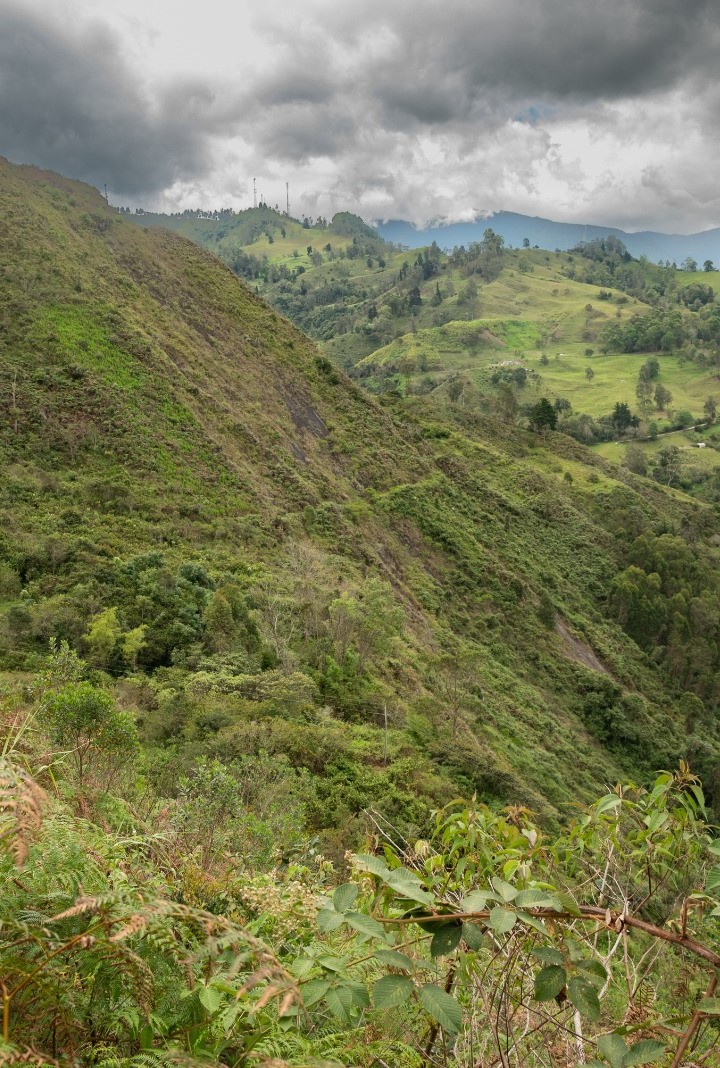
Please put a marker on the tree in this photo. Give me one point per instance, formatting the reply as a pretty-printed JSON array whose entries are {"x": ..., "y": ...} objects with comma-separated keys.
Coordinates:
[
  {"x": 635, "y": 460},
  {"x": 544, "y": 361},
  {"x": 589, "y": 374},
  {"x": 644, "y": 394},
  {"x": 637, "y": 602},
  {"x": 526, "y": 242},
  {"x": 102, "y": 637},
  {"x": 506, "y": 402},
  {"x": 220, "y": 629},
  {"x": 689, "y": 264},
  {"x": 414, "y": 299},
  {"x": 710, "y": 408},
  {"x": 650, "y": 369},
  {"x": 621, "y": 417},
  {"x": 708, "y": 265},
  {"x": 667, "y": 465},
  {"x": 84, "y": 720},
  {"x": 663, "y": 397},
  {"x": 367, "y": 622},
  {"x": 543, "y": 416},
  {"x": 454, "y": 676}
]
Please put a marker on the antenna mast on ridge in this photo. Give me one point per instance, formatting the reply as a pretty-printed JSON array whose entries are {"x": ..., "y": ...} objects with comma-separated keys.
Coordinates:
[
  {"x": 254, "y": 193},
  {"x": 287, "y": 198}
]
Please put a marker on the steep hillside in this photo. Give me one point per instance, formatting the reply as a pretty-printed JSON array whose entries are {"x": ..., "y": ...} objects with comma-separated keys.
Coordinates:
[{"x": 259, "y": 558}]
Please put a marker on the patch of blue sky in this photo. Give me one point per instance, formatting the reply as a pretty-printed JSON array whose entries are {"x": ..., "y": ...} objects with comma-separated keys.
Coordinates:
[{"x": 535, "y": 113}]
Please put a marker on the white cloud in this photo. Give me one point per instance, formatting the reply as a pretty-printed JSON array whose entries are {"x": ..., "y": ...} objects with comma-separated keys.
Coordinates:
[{"x": 604, "y": 113}]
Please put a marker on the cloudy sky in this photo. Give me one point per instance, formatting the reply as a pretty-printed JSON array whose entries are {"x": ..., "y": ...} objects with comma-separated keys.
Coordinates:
[{"x": 603, "y": 111}]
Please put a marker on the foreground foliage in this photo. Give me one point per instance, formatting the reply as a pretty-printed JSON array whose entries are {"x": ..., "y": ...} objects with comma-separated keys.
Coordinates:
[{"x": 487, "y": 943}]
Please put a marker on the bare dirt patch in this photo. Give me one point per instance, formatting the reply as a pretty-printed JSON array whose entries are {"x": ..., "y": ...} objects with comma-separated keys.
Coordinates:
[{"x": 577, "y": 649}]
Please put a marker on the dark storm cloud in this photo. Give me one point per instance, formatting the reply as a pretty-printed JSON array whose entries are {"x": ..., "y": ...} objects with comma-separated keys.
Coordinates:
[
  {"x": 436, "y": 96},
  {"x": 70, "y": 101},
  {"x": 407, "y": 105},
  {"x": 440, "y": 65}
]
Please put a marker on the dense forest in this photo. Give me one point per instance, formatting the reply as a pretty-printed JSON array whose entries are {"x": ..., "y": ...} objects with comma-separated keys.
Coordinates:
[{"x": 316, "y": 692}]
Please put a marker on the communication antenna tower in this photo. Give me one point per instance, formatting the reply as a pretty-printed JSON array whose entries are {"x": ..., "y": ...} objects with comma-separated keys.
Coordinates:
[
  {"x": 254, "y": 193},
  {"x": 287, "y": 198}
]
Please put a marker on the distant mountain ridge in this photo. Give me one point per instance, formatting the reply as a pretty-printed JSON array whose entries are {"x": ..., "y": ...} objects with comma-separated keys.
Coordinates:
[{"x": 556, "y": 235}]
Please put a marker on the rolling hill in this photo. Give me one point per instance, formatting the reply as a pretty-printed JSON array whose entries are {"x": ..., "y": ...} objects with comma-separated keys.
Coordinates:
[{"x": 430, "y": 322}]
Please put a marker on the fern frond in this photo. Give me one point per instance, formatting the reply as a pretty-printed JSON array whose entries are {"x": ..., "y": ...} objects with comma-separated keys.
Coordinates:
[
  {"x": 21, "y": 804},
  {"x": 11, "y": 1055}
]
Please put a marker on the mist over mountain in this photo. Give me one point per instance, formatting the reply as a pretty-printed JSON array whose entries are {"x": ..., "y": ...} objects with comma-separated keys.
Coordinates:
[{"x": 545, "y": 233}]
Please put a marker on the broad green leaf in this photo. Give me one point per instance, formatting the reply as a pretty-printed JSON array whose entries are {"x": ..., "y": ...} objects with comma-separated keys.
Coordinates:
[
  {"x": 391, "y": 991},
  {"x": 502, "y": 920},
  {"x": 406, "y": 883},
  {"x": 328, "y": 920},
  {"x": 576, "y": 952},
  {"x": 699, "y": 796},
  {"x": 394, "y": 959},
  {"x": 372, "y": 865},
  {"x": 536, "y": 899},
  {"x": 714, "y": 847},
  {"x": 366, "y": 925},
  {"x": 474, "y": 902},
  {"x": 345, "y": 896},
  {"x": 339, "y": 1000},
  {"x": 643, "y": 1052},
  {"x": 549, "y": 982},
  {"x": 548, "y": 955},
  {"x": 607, "y": 803},
  {"x": 446, "y": 939},
  {"x": 210, "y": 998},
  {"x": 332, "y": 964},
  {"x": 227, "y": 1022},
  {"x": 509, "y": 868},
  {"x": 710, "y": 1005},
  {"x": 473, "y": 936},
  {"x": 314, "y": 991},
  {"x": 584, "y": 997},
  {"x": 359, "y": 993},
  {"x": 590, "y": 1064},
  {"x": 613, "y": 1049},
  {"x": 442, "y": 1007},
  {"x": 507, "y": 891},
  {"x": 568, "y": 903},
  {"x": 302, "y": 966},
  {"x": 532, "y": 921},
  {"x": 594, "y": 972},
  {"x": 713, "y": 879}
]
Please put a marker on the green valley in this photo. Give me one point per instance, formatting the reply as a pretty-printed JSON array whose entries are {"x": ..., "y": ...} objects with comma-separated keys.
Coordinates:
[{"x": 270, "y": 597}]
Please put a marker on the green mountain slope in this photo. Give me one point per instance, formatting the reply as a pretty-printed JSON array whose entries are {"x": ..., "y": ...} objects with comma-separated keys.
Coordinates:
[{"x": 261, "y": 558}]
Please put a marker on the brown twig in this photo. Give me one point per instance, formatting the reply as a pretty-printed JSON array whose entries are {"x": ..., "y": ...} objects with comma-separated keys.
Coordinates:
[{"x": 614, "y": 920}]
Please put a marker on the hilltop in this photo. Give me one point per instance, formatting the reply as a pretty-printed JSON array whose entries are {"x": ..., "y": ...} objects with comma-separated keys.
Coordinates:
[{"x": 398, "y": 600}]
